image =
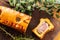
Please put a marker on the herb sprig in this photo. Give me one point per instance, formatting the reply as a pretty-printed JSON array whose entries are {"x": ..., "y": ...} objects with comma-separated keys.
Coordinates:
[
  {"x": 27, "y": 6},
  {"x": 15, "y": 37},
  {"x": 23, "y": 5}
]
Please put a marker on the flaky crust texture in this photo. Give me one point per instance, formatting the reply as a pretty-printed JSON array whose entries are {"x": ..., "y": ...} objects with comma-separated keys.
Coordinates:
[
  {"x": 50, "y": 27},
  {"x": 14, "y": 19}
]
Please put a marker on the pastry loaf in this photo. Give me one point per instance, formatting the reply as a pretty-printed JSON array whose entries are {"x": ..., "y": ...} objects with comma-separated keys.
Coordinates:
[
  {"x": 43, "y": 27},
  {"x": 14, "y": 19}
]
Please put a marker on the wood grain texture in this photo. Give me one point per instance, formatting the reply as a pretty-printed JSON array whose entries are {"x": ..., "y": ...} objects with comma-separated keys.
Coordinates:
[{"x": 36, "y": 15}]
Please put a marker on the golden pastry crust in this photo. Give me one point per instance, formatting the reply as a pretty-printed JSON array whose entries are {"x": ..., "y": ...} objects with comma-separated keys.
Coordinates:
[
  {"x": 50, "y": 27},
  {"x": 14, "y": 19},
  {"x": 57, "y": 37}
]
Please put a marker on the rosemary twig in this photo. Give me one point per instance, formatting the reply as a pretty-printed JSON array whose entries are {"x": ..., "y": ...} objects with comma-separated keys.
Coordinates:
[
  {"x": 16, "y": 37},
  {"x": 7, "y": 32}
]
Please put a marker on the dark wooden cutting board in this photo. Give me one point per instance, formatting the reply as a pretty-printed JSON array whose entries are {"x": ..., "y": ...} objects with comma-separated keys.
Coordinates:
[{"x": 36, "y": 15}]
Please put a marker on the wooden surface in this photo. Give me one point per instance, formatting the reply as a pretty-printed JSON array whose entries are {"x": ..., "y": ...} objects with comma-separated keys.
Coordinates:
[{"x": 36, "y": 15}]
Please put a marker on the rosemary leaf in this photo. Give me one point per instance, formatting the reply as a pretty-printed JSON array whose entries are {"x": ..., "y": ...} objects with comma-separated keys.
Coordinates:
[
  {"x": 57, "y": 16},
  {"x": 1, "y": 28}
]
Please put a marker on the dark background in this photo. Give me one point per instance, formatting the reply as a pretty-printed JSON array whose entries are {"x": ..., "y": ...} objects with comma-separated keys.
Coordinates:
[{"x": 36, "y": 15}]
